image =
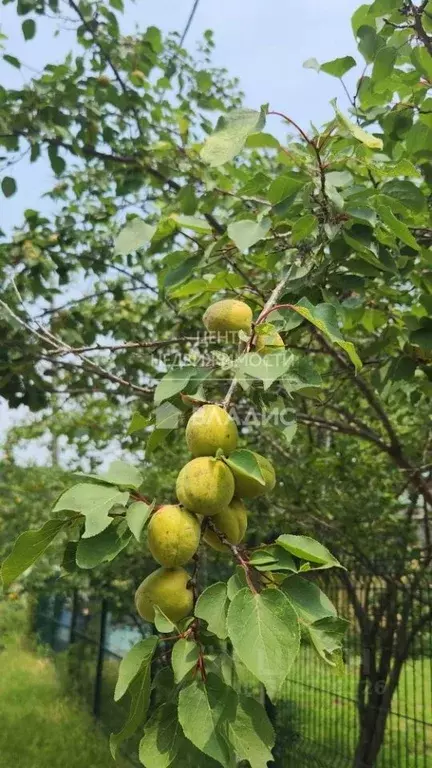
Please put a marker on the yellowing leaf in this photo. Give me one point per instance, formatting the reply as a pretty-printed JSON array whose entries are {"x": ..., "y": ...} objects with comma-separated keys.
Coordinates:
[{"x": 373, "y": 142}]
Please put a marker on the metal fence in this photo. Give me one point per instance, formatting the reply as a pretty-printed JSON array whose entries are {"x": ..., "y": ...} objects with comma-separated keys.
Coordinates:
[{"x": 316, "y": 717}]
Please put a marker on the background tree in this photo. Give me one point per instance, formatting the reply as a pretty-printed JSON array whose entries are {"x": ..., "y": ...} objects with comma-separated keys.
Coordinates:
[{"x": 340, "y": 216}]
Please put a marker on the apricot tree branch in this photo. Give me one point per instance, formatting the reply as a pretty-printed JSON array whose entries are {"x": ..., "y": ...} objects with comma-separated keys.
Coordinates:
[
  {"x": 236, "y": 554},
  {"x": 270, "y": 303}
]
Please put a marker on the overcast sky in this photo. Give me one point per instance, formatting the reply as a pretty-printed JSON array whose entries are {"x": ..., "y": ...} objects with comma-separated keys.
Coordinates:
[{"x": 263, "y": 43}]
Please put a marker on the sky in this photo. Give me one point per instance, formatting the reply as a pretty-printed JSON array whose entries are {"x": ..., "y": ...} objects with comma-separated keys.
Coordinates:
[{"x": 263, "y": 43}]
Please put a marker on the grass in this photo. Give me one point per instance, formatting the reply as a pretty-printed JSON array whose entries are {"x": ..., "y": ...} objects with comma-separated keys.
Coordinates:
[{"x": 40, "y": 725}]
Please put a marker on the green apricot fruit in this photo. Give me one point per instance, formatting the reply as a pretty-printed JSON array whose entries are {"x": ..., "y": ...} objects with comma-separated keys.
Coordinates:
[
  {"x": 173, "y": 535},
  {"x": 248, "y": 487},
  {"x": 269, "y": 342},
  {"x": 210, "y": 428},
  {"x": 167, "y": 588},
  {"x": 232, "y": 521},
  {"x": 205, "y": 485},
  {"x": 228, "y": 315}
]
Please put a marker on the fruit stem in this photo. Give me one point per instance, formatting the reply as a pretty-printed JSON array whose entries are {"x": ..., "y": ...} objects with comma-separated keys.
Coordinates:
[
  {"x": 236, "y": 553},
  {"x": 269, "y": 306}
]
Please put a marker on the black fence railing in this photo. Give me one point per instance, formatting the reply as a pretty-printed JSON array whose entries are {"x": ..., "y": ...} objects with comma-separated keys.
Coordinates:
[{"x": 316, "y": 717}]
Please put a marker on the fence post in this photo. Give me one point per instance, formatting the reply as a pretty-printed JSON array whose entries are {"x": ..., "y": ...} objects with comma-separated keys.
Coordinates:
[
  {"x": 100, "y": 659},
  {"x": 74, "y": 617}
]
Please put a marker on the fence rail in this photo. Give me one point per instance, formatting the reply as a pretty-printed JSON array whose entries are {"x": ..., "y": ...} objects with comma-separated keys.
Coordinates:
[{"x": 316, "y": 717}]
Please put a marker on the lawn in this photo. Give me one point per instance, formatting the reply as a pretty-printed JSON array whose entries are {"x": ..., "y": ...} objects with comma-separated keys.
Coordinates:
[{"x": 41, "y": 726}]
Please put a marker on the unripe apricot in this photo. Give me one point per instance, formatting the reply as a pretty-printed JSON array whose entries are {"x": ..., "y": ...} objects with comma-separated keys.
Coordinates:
[
  {"x": 232, "y": 521},
  {"x": 205, "y": 485},
  {"x": 247, "y": 487},
  {"x": 167, "y": 588},
  {"x": 269, "y": 342},
  {"x": 210, "y": 428},
  {"x": 173, "y": 535},
  {"x": 228, "y": 315}
]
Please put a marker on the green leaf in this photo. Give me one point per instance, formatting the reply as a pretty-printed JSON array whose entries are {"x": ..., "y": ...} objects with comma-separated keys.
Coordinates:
[
  {"x": 124, "y": 474},
  {"x": 137, "y": 515},
  {"x": 422, "y": 337},
  {"x": 303, "y": 227},
  {"x": 57, "y": 163},
  {"x": 172, "y": 383},
  {"x": 118, "y": 473},
  {"x": 252, "y": 733},
  {"x": 247, "y": 232},
  {"x": 138, "y": 422},
  {"x": 264, "y": 631},
  {"x": 167, "y": 417},
  {"x": 28, "y": 548},
  {"x": 212, "y": 607},
  {"x": 136, "y": 660},
  {"x": 373, "y": 142},
  {"x": 69, "y": 557},
  {"x": 184, "y": 657},
  {"x": 362, "y": 213},
  {"x": 324, "y": 317},
  {"x": 273, "y": 558},
  {"x": 405, "y": 192},
  {"x": 139, "y": 690},
  {"x": 422, "y": 60},
  {"x": 312, "y": 64},
  {"x": 338, "y": 67},
  {"x": 384, "y": 63},
  {"x": 102, "y": 548},
  {"x": 326, "y": 635},
  {"x": 204, "y": 711},
  {"x": 301, "y": 376},
  {"x": 134, "y": 235},
  {"x": 397, "y": 227},
  {"x": 29, "y": 29},
  {"x": 267, "y": 368},
  {"x": 194, "y": 223},
  {"x": 308, "y": 599},
  {"x": 245, "y": 463},
  {"x": 289, "y": 432},
  {"x": 230, "y": 135},
  {"x": 8, "y": 186},
  {"x": 339, "y": 178},
  {"x": 262, "y": 140},
  {"x": 283, "y": 187},
  {"x": 162, "y": 623},
  {"x": 12, "y": 60},
  {"x": 156, "y": 439},
  {"x": 181, "y": 272},
  {"x": 94, "y": 502},
  {"x": 308, "y": 549},
  {"x": 162, "y": 738},
  {"x": 236, "y": 582}
]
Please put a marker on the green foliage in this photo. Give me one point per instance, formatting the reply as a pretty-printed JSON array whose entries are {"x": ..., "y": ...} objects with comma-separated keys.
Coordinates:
[
  {"x": 204, "y": 711},
  {"x": 134, "y": 235},
  {"x": 230, "y": 135},
  {"x": 264, "y": 631},
  {"x": 212, "y": 607},
  {"x": 134, "y": 675},
  {"x": 94, "y": 502},
  {"x": 184, "y": 658},
  {"x": 28, "y": 548}
]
